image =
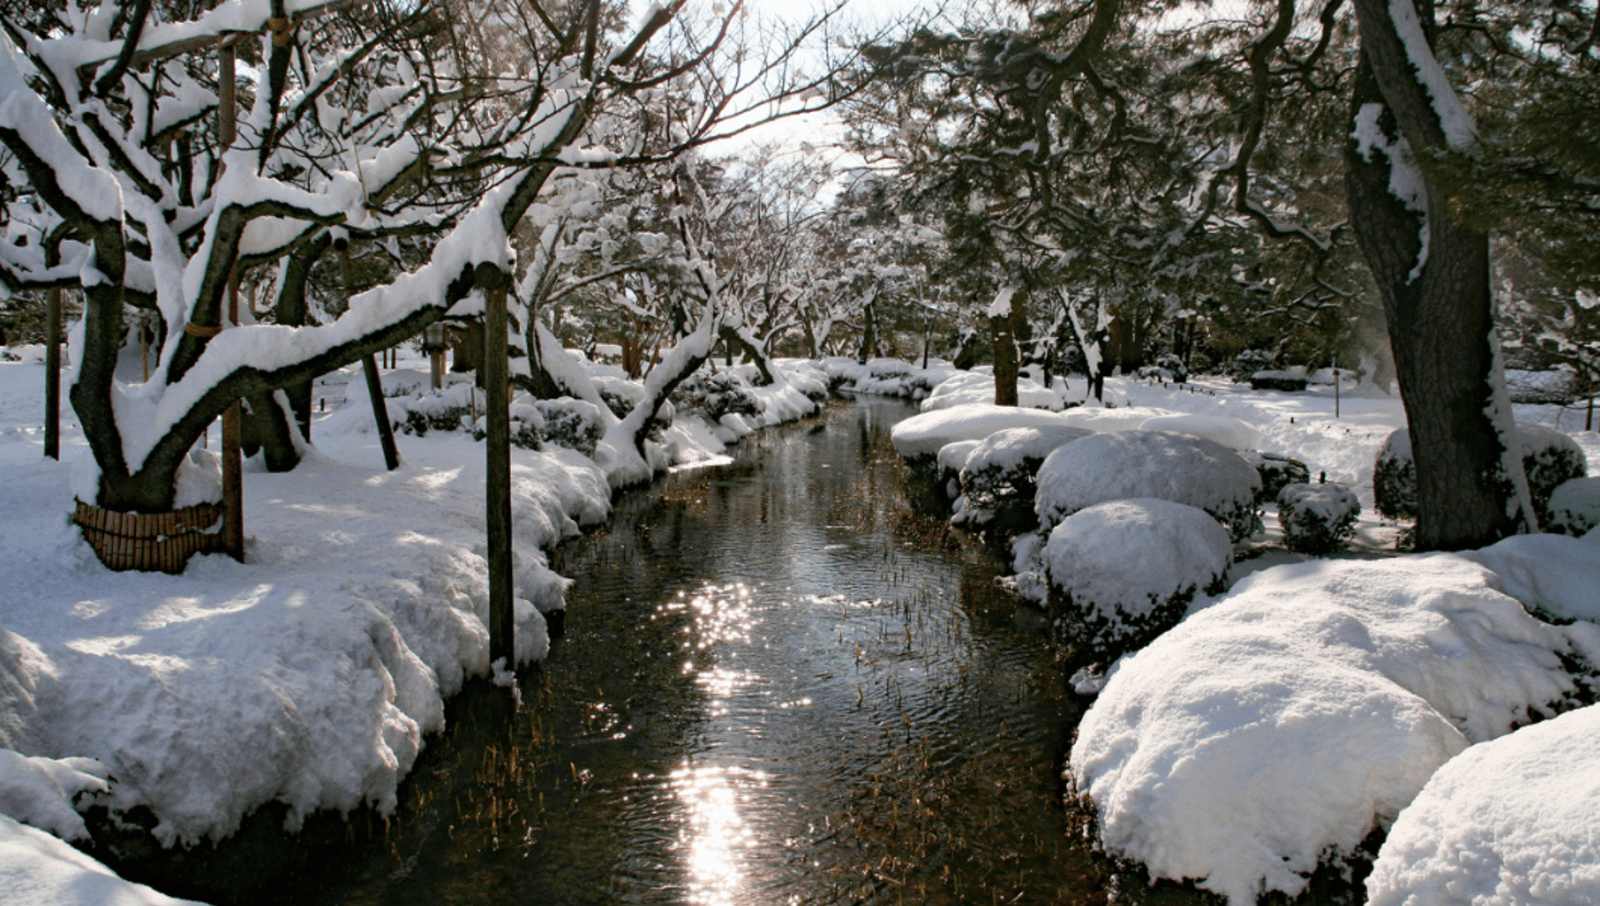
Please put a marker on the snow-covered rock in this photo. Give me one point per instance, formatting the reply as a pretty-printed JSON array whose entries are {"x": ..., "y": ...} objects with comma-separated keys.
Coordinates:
[
  {"x": 1574, "y": 506},
  {"x": 1280, "y": 726},
  {"x": 1129, "y": 464},
  {"x": 1513, "y": 822},
  {"x": 1317, "y": 518},
  {"x": 922, "y": 435},
  {"x": 1236, "y": 434},
  {"x": 1179, "y": 551}
]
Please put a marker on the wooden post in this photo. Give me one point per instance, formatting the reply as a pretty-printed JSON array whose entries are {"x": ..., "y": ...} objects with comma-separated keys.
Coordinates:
[
  {"x": 497, "y": 483},
  {"x": 232, "y": 466},
  {"x": 52, "y": 375},
  {"x": 369, "y": 366},
  {"x": 391, "y": 455}
]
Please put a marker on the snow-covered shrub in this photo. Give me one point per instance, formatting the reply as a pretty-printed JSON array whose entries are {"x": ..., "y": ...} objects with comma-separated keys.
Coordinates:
[
  {"x": 570, "y": 423},
  {"x": 1129, "y": 464},
  {"x": 919, "y": 438},
  {"x": 449, "y": 409},
  {"x": 951, "y": 460},
  {"x": 46, "y": 792},
  {"x": 1276, "y": 471},
  {"x": 1234, "y": 433},
  {"x": 1167, "y": 368},
  {"x": 619, "y": 394},
  {"x": 1317, "y": 518},
  {"x": 716, "y": 395},
  {"x": 1278, "y": 727},
  {"x": 1247, "y": 363},
  {"x": 1574, "y": 507},
  {"x": 1549, "y": 458},
  {"x": 998, "y": 477},
  {"x": 1124, "y": 571},
  {"x": 1514, "y": 822},
  {"x": 977, "y": 387},
  {"x": 1394, "y": 478},
  {"x": 1278, "y": 380}
]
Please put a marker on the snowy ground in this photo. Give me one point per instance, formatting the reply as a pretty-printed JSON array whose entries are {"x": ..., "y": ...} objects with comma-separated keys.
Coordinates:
[{"x": 312, "y": 673}]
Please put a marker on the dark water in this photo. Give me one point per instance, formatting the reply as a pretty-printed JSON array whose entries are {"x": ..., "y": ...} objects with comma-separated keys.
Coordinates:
[{"x": 779, "y": 685}]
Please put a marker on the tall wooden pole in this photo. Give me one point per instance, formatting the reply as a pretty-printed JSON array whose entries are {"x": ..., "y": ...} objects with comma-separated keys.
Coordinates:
[
  {"x": 369, "y": 367},
  {"x": 232, "y": 465},
  {"x": 497, "y": 484},
  {"x": 52, "y": 375}
]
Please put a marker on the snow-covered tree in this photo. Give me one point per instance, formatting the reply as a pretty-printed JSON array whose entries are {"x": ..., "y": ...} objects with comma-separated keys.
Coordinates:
[{"x": 414, "y": 136}]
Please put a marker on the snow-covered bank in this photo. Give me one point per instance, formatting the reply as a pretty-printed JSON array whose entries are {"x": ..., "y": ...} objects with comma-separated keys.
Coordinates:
[
  {"x": 1278, "y": 727},
  {"x": 311, "y": 673}
]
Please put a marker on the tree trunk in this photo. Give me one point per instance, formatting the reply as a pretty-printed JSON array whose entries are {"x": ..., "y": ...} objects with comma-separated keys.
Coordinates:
[
  {"x": 1433, "y": 274},
  {"x": 1003, "y": 337}
]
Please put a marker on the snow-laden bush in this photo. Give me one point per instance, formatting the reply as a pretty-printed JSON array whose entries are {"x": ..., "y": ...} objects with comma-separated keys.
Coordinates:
[
  {"x": 1167, "y": 368},
  {"x": 449, "y": 409},
  {"x": 1317, "y": 518},
  {"x": 1276, "y": 471},
  {"x": 1574, "y": 507},
  {"x": 1247, "y": 363},
  {"x": 1233, "y": 433},
  {"x": 716, "y": 395},
  {"x": 1549, "y": 458},
  {"x": 920, "y": 437},
  {"x": 1394, "y": 478},
  {"x": 997, "y": 479},
  {"x": 951, "y": 460},
  {"x": 1277, "y": 728},
  {"x": 1124, "y": 571},
  {"x": 1513, "y": 822},
  {"x": 1290, "y": 381},
  {"x": 569, "y": 423},
  {"x": 967, "y": 387},
  {"x": 47, "y": 793},
  {"x": 1129, "y": 464}
]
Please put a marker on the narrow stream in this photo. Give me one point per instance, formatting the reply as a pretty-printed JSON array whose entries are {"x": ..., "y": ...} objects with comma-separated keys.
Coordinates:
[{"x": 779, "y": 685}]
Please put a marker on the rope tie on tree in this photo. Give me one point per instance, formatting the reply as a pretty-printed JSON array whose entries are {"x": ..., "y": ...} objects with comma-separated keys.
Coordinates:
[
  {"x": 282, "y": 30},
  {"x": 200, "y": 330}
]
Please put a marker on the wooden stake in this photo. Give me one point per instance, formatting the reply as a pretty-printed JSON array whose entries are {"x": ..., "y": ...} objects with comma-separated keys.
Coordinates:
[
  {"x": 232, "y": 461},
  {"x": 497, "y": 484},
  {"x": 52, "y": 375},
  {"x": 380, "y": 411}
]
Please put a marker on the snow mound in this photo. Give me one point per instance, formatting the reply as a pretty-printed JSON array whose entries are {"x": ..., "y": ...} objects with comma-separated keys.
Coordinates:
[
  {"x": 1284, "y": 723},
  {"x": 39, "y": 791},
  {"x": 36, "y": 869},
  {"x": 1130, "y": 464},
  {"x": 968, "y": 387},
  {"x": 1553, "y": 574},
  {"x": 1510, "y": 822},
  {"x": 923, "y": 435},
  {"x": 1231, "y": 432},
  {"x": 1575, "y": 506},
  {"x": 1123, "y": 418},
  {"x": 1180, "y": 551}
]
